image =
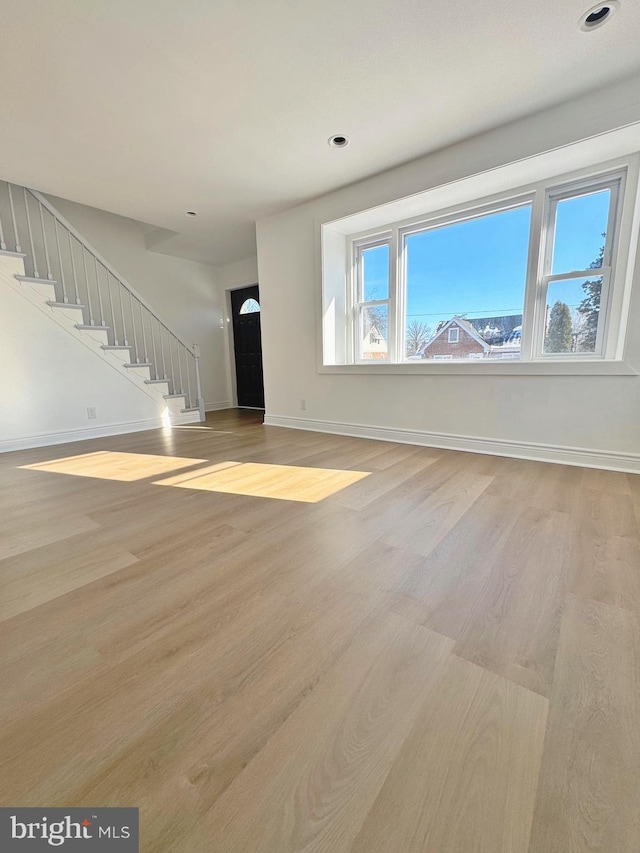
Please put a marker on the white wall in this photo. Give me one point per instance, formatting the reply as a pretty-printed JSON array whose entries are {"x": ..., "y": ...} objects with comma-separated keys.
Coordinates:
[
  {"x": 49, "y": 379},
  {"x": 185, "y": 294},
  {"x": 598, "y": 413},
  {"x": 240, "y": 274}
]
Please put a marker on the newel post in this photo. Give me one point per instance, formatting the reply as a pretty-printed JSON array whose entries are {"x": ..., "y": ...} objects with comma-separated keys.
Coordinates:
[{"x": 199, "y": 398}]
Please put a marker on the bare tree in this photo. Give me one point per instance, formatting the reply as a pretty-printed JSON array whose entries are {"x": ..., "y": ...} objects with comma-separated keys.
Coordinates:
[{"x": 417, "y": 335}]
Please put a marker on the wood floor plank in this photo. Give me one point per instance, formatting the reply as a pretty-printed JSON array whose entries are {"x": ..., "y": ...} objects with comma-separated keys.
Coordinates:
[
  {"x": 466, "y": 777},
  {"x": 496, "y": 585},
  {"x": 41, "y": 531},
  {"x": 443, "y": 589},
  {"x": 513, "y": 625},
  {"x": 611, "y": 513},
  {"x": 178, "y": 768},
  {"x": 589, "y": 779},
  {"x": 25, "y": 584},
  {"x": 379, "y": 566},
  {"x": 312, "y": 793},
  {"x": 99, "y": 624},
  {"x": 428, "y": 524},
  {"x": 135, "y": 694},
  {"x": 367, "y": 491},
  {"x": 604, "y": 567}
]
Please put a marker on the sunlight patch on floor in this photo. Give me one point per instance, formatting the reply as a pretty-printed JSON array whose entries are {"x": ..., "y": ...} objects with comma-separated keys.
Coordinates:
[
  {"x": 284, "y": 482},
  {"x": 112, "y": 465}
]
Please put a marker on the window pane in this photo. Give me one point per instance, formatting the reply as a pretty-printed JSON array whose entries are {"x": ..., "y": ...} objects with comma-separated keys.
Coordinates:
[
  {"x": 581, "y": 224},
  {"x": 250, "y": 306},
  {"x": 373, "y": 326},
  {"x": 473, "y": 271},
  {"x": 572, "y": 314},
  {"x": 375, "y": 273}
]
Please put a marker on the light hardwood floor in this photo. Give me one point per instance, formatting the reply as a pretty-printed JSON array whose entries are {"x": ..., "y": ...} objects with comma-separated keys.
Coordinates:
[{"x": 275, "y": 641}]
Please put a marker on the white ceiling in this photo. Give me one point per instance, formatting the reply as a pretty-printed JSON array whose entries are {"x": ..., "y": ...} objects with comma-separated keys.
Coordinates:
[{"x": 149, "y": 108}]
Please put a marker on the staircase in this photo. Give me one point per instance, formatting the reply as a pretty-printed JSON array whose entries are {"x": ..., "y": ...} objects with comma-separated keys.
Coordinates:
[{"x": 63, "y": 274}]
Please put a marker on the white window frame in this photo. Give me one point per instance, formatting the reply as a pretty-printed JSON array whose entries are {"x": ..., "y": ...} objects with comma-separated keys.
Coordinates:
[
  {"x": 620, "y": 176},
  {"x": 456, "y": 339},
  {"x": 615, "y": 182},
  {"x": 439, "y": 220},
  {"x": 358, "y": 303}
]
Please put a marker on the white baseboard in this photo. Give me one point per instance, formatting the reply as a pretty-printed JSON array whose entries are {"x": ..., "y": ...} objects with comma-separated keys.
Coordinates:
[
  {"x": 215, "y": 407},
  {"x": 580, "y": 456},
  {"x": 47, "y": 438}
]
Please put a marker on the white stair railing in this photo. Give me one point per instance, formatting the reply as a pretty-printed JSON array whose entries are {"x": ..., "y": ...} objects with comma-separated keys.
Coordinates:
[{"x": 55, "y": 251}]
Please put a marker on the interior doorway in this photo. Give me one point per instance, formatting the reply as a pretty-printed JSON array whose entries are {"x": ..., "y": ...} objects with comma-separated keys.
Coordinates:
[{"x": 247, "y": 346}]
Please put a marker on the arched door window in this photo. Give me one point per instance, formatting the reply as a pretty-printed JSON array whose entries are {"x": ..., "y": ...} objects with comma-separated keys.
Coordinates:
[{"x": 250, "y": 306}]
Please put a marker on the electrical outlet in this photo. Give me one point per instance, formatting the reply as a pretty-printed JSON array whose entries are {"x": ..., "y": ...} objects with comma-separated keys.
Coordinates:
[
  {"x": 303, "y": 405},
  {"x": 91, "y": 412}
]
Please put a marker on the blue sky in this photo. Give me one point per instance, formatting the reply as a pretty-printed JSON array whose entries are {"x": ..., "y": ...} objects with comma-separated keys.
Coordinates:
[{"x": 478, "y": 267}]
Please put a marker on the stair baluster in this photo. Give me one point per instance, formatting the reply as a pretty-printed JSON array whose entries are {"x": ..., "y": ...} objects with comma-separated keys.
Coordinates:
[
  {"x": 13, "y": 220},
  {"x": 128, "y": 325}
]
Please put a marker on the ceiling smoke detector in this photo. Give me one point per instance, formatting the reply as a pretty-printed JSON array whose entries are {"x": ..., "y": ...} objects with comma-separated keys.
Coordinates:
[
  {"x": 596, "y": 16},
  {"x": 339, "y": 140}
]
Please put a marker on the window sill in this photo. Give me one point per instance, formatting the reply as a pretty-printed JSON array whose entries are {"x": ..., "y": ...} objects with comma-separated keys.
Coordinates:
[{"x": 595, "y": 367}]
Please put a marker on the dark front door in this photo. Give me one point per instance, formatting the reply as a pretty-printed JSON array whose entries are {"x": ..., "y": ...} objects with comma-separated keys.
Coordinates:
[{"x": 247, "y": 345}]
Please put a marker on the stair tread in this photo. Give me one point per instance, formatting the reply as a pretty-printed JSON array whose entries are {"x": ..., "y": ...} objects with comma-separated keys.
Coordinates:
[
  {"x": 116, "y": 346},
  {"x": 155, "y": 381},
  {"x": 192, "y": 409},
  {"x": 141, "y": 364},
  {"x": 65, "y": 305},
  {"x": 171, "y": 396},
  {"x": 88, "y": 326},
  {"x": 34, "y": 279}
]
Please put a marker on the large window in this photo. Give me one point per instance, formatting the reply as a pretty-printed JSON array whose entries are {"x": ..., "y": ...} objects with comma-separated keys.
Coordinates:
[
  {"x": 465, "y": 283},
  {"x": 521, "y": 277}
]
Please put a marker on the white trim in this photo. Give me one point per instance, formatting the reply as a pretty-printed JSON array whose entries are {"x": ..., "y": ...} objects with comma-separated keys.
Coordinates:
[
  {"x": 215, "y": 407},
  {"x": 490, "y": 367},
  {"x": 557, "y": 454},
  {"x": 45, "y": 439}
]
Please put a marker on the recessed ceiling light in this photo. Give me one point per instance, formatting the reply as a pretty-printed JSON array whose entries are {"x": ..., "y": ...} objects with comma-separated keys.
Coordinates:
[
  {"x": 596, "y": 16},
  {"x": 339, "y": 140},
  {"x": 191, "y": 213}
]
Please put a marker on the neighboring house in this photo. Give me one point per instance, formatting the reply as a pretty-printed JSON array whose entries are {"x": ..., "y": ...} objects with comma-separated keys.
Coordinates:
[
  {"x": 374, "y": 345},
  {"x": 496, "y": 330},
  {"x": 456, "y": 338},
  {"x": 510, "y": 346}
]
